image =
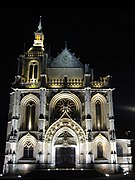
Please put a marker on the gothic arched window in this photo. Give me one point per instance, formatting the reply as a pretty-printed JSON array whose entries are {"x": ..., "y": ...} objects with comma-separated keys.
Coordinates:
[
  {"x": 98, "y": 115},
  {"x": 99, "y": 150},
  {"x": 28, "y": 150},
  {"x": 33, "y": 71},
  {"x": 30, "y": 115}
]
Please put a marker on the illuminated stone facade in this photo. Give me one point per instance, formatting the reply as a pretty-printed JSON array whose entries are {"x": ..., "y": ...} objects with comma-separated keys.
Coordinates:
[{"x": 60, "y": 117}]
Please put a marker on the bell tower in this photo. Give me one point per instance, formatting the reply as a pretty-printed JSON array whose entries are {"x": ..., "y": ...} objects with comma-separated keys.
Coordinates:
[
  {"x": 32, "y": 64},
  {"x": 26, "y": 121}
]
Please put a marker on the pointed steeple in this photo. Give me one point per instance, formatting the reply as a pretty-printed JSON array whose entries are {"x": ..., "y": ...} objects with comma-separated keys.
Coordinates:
[
  {"x": 65, "y": 44},
  {"x": 39, "y": 26},
  {"x": 39, "y": 36}
]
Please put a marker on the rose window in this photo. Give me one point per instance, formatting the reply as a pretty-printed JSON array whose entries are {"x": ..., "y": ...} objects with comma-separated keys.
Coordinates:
[{"x": 66, "y": 105}]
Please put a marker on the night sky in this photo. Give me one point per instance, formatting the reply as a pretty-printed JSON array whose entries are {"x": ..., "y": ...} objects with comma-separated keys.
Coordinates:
[{"x": 103, "y": 38}]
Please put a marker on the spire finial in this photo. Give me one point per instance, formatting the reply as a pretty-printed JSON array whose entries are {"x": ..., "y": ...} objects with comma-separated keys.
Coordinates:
[
  {"x": 40, "y": 26},
  {"x": 65, "y": 44}
]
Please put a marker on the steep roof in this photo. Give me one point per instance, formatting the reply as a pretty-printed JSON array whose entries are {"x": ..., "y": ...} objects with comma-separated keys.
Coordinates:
[{"x": 65, "y": 60}]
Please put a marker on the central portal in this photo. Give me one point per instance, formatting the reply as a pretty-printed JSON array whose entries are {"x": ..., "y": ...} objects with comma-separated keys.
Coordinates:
[{"x": 65, "y": 157}]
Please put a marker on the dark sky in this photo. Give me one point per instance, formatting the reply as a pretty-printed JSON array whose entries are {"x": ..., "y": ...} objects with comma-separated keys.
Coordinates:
[{"x": 103, "y": 38}]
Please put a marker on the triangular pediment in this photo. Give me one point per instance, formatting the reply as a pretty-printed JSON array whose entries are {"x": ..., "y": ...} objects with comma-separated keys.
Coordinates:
[{"x": 66, "y": 60}]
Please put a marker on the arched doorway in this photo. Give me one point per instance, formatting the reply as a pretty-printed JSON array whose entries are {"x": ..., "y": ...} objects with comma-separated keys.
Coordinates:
[
  {"x": 65, "y": 140},
  {"x": 65, "y": 150}
]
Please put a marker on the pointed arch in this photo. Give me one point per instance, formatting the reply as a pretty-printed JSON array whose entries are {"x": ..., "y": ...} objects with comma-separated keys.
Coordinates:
[
  {"x": 101, "y": 147},
  {"x": 62, "y": 123},
  {"x": 33, "y": 71},
  {"x": 26, "y": 146},
  {"x": 99, "y": 112},
  {"x": 68, "y": 96},
  {"x": 74, "y": 129},
  {"x": 29, "y": 110},
  {"x": 70, "y": 139}
]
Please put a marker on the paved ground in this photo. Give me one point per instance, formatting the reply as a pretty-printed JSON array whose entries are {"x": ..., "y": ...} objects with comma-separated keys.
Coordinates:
[
  {"x": 119, "y": 177},
  {"x": 64, "y": 176},
  {"x": 112, "y": 177}
]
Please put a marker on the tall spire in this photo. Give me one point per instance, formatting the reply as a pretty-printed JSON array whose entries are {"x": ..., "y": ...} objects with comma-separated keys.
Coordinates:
[{"x": 40, "y": 26}]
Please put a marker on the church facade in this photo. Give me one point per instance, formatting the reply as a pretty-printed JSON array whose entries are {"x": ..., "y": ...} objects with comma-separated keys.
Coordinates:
[{"x": 60, "y": 117}]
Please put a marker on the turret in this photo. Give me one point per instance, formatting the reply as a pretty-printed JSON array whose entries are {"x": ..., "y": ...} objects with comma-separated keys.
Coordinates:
[{"x": 32, "y": 64}]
